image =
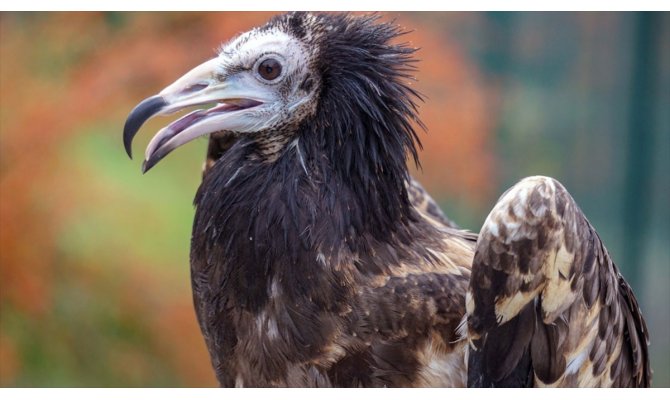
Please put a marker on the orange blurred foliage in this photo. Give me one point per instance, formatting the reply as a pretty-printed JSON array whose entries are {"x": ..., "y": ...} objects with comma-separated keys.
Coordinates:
[
  {"x": 457, "y": 159},
  {"x": 9, "y": 360}
]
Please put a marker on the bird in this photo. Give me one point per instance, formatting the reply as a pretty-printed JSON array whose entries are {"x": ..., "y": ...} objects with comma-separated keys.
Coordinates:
[{"x": 317, "y": 260}]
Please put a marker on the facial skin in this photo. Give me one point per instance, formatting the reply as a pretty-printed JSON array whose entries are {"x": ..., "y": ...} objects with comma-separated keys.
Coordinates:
[{"x": 261, "y": 83}]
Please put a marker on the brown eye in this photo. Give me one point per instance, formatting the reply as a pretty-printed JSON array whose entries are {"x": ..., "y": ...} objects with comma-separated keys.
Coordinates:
[{"x": 269, "y": 69}]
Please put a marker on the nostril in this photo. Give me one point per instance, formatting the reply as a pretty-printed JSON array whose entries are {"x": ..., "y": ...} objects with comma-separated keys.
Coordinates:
[{"x": 194, "y": 88}]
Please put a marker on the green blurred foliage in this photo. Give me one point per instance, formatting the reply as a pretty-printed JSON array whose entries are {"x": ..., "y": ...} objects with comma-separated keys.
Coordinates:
[{"x": 94, "y": 282}]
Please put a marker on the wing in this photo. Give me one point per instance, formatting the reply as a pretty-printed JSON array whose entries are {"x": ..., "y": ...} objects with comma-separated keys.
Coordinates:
[
  {"x": 546, "y": 305},
  {"x": 416, "y": 316},
  {"x": 411, "y": 319}
]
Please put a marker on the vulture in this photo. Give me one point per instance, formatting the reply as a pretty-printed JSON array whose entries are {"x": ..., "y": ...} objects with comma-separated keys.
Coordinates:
[{"x": 317, "y": 260}]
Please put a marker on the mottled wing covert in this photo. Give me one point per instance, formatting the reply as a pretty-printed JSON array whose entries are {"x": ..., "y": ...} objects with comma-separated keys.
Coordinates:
[{"x": 546, "y": 305}]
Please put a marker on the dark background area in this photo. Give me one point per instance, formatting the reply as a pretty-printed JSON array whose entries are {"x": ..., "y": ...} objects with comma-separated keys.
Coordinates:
[{"x": 94, "y": 281}]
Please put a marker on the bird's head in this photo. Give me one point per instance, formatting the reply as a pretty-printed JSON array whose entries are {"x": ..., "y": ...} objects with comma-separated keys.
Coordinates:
[{"x": 336, "y": 75}]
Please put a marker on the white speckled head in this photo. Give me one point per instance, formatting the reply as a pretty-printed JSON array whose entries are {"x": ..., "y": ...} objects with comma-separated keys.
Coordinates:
[{"x": 264, "y": 80}]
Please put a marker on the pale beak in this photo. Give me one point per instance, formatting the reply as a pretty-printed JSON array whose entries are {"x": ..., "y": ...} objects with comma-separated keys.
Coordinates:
[{"x": 199, "y": 86}]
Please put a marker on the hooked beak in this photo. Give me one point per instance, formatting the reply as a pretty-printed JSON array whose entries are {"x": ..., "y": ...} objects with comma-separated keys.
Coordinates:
[{"x": 199, "y": 86}]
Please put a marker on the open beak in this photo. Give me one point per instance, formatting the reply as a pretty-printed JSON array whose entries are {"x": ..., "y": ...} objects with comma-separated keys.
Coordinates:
[{"x": 199, "y": 86}]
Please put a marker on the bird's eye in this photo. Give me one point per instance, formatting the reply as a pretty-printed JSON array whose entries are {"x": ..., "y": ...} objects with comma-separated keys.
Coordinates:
[{"x": 269, "y": 69}]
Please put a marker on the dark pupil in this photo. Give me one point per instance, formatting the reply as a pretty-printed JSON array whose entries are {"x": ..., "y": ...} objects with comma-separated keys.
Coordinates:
[{"x": 269, "y": 69}]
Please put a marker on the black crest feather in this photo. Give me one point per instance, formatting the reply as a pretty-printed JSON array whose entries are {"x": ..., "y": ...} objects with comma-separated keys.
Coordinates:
[{"x": 367, "y": 109}]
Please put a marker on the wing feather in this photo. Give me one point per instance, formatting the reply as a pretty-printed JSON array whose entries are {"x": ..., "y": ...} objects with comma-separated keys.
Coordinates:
[
  {"x": 415, "y": 318},
  {"x": 545, "y": 299}
]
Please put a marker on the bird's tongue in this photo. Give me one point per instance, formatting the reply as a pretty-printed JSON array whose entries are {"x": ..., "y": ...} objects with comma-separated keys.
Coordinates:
[
  {"x": 184, "y": 122},
  {"x": 197, "y": 115}
]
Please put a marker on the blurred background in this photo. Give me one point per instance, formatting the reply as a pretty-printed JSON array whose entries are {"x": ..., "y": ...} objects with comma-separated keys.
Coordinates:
[{"x": 94, "y": 277}]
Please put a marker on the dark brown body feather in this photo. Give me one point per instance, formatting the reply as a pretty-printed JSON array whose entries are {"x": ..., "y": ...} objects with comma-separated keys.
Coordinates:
[
  {"x": 546, "y": 304},
  {"x": 385, "y": 316}
]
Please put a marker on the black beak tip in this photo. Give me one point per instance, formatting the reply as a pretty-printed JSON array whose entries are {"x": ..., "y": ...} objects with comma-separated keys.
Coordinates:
[
  {"x": 151, "y": 162},
  {"x": 140, "y": 114},
  {"x": 128, "y": 147}
]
